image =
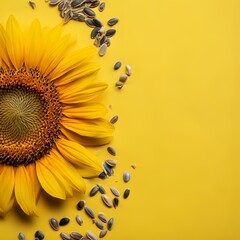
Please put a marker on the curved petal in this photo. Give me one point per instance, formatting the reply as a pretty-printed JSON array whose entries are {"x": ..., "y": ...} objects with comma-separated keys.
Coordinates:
[
  {"x": 24, "y": 190},
  {"x": 48, "y": 180},
  {"x": 14, "y": 42},
  {"x": 86, "y": 111},
  {"x": 7, "y": 179},
  {"x": 3, "y": 48},
  {"x": 78, "y": 94},
  {"x": 80, "y": 156}
]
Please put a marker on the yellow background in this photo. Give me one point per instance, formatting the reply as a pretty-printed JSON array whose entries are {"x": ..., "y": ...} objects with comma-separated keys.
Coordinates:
[{"x": 178, "y": 120}]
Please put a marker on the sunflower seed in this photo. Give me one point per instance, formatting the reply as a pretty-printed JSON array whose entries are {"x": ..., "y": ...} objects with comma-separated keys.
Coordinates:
[
  {"x": 126, "y": 193},
  {"x": 110, "y": 32},
  {"x": 99, "y": 224},
  {"x": 111, "y": 22},
  {"x": 114, "y": 119},
  {"x": 103, "y": 40},
  {"x": 112, "y": 151},
  {"x": 102, "y": 6},
  {"x": 64, "y": 221},
  {"x": 107, "y": 201},
  {"x": 108, "y": 169},
  {"x": 79, "y": 220},
  {"x": 54, "y": 2},
  {"x": 117, "y": 65},
  {"x": 81, "y": 17},
  {"x": 119, "y": 84},
  {"x": 61, "y": 6},
  {"x": 21, "y": 236},
  {"x": 90, "y": 235},
  {"x": 123, "y": 78},
  {"x": 102, "y": 49},
  {"x": 115, "y": 202},
  {"x": 65, "y": 236},
  {"x": 115, "y": 191},
  {"x": 39, "y": 234},
  {"x": 128, "y": 70},
  {"x": 89, "y": 212},
  {"x": 126, "y": 176},
  {"x": 108, "y": 41},
  {"x": 81, "y": 204},
  {"x": 97, "y": 22},
  {"x": 54, "y": 224},
  {"x": 94, "y": 32},
  {"x": 76, "y": 3},
  {"x": 94, "y": 4},
  {"x": 89, "y": 12},
  {"x": 76, "y": 235},
  {"x": 94, "y": 191},
  {"x": 101, "y": 189},
  {"x": 111, "y": 162},
  {"x": 89, "y": 22},
  {"x": 102, "y": 217},
  {"x": 102, "y": 175},
  {"x": 32, "y": 4},
  {"x": 68, "y": 15},
  {"x": 110, "y": 224},
  {"x": 103, "y": 233}
]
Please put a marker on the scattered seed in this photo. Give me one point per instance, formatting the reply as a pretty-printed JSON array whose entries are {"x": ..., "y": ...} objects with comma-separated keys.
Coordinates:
[
  {"x": 102, "y": 217},
  {"x": 108, "y": 169},
  {"x": 80, "y": 17},
  {"x": 97, "y": 22},
  {"x": 101, "y": 189},
  {"x": 117, "y": 65},
  {"x": 115, "y": 202},
  {"x": 65, "y": 236},
  {"x": 90, "y": 235},
  {"x": 54, "y": 224},
  {"x": 90, "y": 22},
  {"x": 102, "y": 40},
  {"x": 106, "y": 200},
  {"x": 114, "y": 119},
  {"x": 21, "y": 236},
  {"x": 81, "y": 204},
  {"x": 76, "y": 235},
  {"x": 123, "y": 78},
  {"x": 110, "y": 224},
  {"x": 126, "y": 193},
  {"x": 111, "y": 22},
  {"x": 110, "y": 32},
  {"x": 94, "y": 4},
  {"x": 64, "y": 221},
  {"x": 89, "y": 12},
  {"x": 115, "y": 191},
  {"x": 102, "y": 175},
  {"x": 76, "y": 3},
  {"x": 103, "y": 233},
  {"x": 134, "y": 166},
  {"x": 102, "y": 49},
  {"x": 89, "y": 212},
  {"x": 112, "y": 151},
  {"x": 102, "y": 6},
  {"x": 39, "y": 234},
  {"x": 54, "y": 2},
  {"x": 111, "y": 162},
  {"x": 126, "y": 176},
  {"x": 32, "y": 4},
  {"x": 79, "y": 220},
  {"x": 99, "y": 224},
  {"x": 128, "y": 70},
  {"x": 94, "y": 191},
  {"x": 119, "y": 84}
]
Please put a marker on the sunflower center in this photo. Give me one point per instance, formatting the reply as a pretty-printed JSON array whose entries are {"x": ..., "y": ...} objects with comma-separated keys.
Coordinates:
[{"x": 30, "y": 114}]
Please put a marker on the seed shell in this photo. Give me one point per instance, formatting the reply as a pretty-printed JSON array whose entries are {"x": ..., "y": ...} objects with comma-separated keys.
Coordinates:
[
  {"x": 102, "y": 6},
  {"x": 106, "y": 200},
  {"x": 119, "y": 84},
  {"x": 112, "y": 151},
  {"x": 110, "y": 32},
  {"x": 94, "y": 4},
  {"x": 79, "y": 220},
  {"x": 54, "y": 224},
  {"x": 89, "y": 22},
  {"x": 102, "y": 175},
  {"x": 126, "y": 193},
  {"x": 39, "y": 234},
  {"x": 102, "y": 49},
  {"x": 54, "y": 2},
  {"x": 76, "y": 235},
  {"x": 128, "y": 70},
  {"x": 115, "y": 191},
  {"x": 90, "y": 235},
  {"x": 64, "y": 221},
  {"x": 89, "y": 12},
  {"x": 89, "y": 212},
  {"x": 32, "y": 4},
  {"x": 123, "y": 77},
  {"x": 102, "y": 217},
  {"x": 126, "y": 176},
  {"x": 111, "y": 162},
  {"x": 115, "y": 202},
  {"x": 21, "y": 236},
  {"x": 117, "y": 65},
  {"x": 111, "y": 22},
  {"x": 65, "y": 236},
  {"x": 114, "y": 119},
  {"x": 76, "y": 3},
  {"x": 99, "y": 224},
  {"x": 108, "y": 169},
  {"x": 110, "y": 224},
  {"x": 97, "y": 22},
  {"x": 103, "y": 233},
  {"x": 94, "y": 191},
  {"x": 101, "y": 189},
  {"x": 81, "y": 204}
]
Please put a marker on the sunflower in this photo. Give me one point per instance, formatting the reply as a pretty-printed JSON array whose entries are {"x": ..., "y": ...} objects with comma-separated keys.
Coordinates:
[{"x": 48, "y": 113}]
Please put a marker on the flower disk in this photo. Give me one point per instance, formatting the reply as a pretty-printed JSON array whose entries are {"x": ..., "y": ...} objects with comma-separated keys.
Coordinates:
[{"x": 30, "y": 113}]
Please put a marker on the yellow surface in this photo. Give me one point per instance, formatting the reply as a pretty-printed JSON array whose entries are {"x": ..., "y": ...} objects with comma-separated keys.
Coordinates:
[{"x": 178, "y": 121}]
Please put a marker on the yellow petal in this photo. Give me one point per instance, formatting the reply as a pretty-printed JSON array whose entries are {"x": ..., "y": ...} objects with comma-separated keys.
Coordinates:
[
  {"x": 7, "y": 179},
  {"x": 97, "y": 128},
  {"x": 24, "y": 190},
  {"x": 80, "y": 156},
  {"x": 14, "y": 42},
  {"x": 86, "y": 111},
  {"x": 72, "y": 61},
  {"x": 77, "y": 94},
  {"x": 48, "y": 181},
  {"x": 3, "y": 48}
]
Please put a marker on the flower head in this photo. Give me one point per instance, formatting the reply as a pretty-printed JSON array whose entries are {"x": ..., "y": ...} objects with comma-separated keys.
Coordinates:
[{"x": 48, "y": 112}]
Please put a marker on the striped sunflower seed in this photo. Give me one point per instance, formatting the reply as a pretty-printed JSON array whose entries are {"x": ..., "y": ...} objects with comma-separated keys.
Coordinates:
[
  {"x": 114, "y": 119},
  {"x": 54, "y": 2},
  {"x": 94, "y": 191},
  {"x": 102, "y": 175},
  {"x": 117, "y": 65},
  {"x": 108, "y": 169},
  {"x": 79, "y": 220},
  {"x": 89, "y": 22},
  {"x": 110, "y": 224},
  {"x": 111, "y": 162},
  {"x": 89, "y": 212},
  {"x": 102, "y": 6},
  {"x": 128, "y": 70},
  {"x": 81, "y": 204},
  {"x": 21, "y": 236},
  {"x": 110, "y": 32},
  {"x": 112, "y": 151},
  {"x": 102, "y": 49},
  {"x": 101, "y": 189},
  {"x": 90, "y": 235},
  {"x": 102, "y": 217},
  {"x": 89, "y": 12},
  {"x": 94, "y": 32},
  {"x": 97, "y": 22},
  {"x": 64, "y": 221},
  {"x": 94, "y": 4},
  {"x": 53, "y": 222},
  {"x": 65, "y": 236},
  {"x": 103, "y": 233},
  {"x": 126, "y": 193},
  {"x": 106, "y": 200},
  {"x": 39, "y": 235},
  {"x": 76, "y": 3},
  {"x": 115, "y": 202},
  {"x": 111, "y": 22},
  {"x": 126, "y": 176},
  {"x": 76, "y": 235},
  {"x": 99, "y": 224},
  {"x": 115, "y": 191}
]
